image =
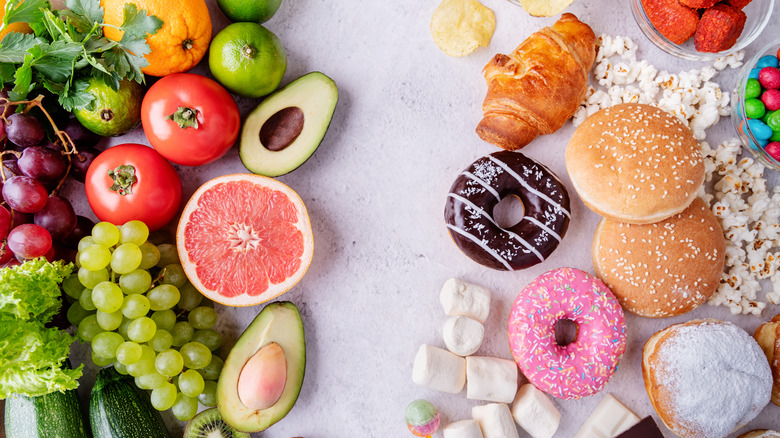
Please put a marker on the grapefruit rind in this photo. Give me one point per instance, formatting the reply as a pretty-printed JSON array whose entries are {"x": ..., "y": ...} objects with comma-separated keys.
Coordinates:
[{"x": 274, "y": 290}]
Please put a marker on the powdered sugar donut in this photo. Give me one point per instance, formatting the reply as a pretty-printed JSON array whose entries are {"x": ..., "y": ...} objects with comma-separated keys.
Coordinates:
[
  {"x": 705, "y": 378},
  {"x": 582, "y": 367}
]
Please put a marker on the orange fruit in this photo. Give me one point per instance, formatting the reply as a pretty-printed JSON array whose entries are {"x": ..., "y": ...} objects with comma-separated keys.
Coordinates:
[
  {"x": 244, "y": 239},
  {"x": 179, "y": 44},
  {"x": 13, "y": 27}
]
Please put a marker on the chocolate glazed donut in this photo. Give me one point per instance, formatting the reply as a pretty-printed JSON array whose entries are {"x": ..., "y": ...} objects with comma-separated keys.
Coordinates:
[{"x": 476, "y": 192}]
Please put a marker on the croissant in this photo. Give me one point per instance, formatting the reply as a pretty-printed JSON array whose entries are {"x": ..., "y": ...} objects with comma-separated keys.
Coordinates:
[{"x": 539, "y": 86}]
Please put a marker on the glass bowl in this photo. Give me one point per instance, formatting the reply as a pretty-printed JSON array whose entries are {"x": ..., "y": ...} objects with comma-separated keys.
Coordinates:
[
  {"x": 758, "y": 14},
  {"x": 738, "y": 116}
]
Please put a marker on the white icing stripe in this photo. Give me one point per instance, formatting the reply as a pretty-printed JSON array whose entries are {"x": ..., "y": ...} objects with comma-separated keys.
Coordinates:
[
  {"x": 482, "y": 245},
  {"x": 483, "y": 213},
  {"x": 529, "y": 188},
  {"x": 544, "y": 227},
  {"x": 483, "y": 184}
]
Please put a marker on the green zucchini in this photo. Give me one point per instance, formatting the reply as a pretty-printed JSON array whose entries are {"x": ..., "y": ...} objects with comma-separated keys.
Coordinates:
[
  {"x": 55, "y": 415},
  {"x": 119, "y": 409}
]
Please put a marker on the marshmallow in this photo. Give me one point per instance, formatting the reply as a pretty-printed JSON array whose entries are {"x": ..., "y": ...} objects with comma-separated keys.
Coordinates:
[
  {"x": 463, "y": 335},
  {"x": 463, "y": 429},
  {"x": 491, "y": 379},
  {"x": 608, "y": 420},
  {"x": 461, "y": 298},
  {"x": 535, "y": 413},
  {"x": 439, "y": 369},
  {"x": 495, "y": 420}
]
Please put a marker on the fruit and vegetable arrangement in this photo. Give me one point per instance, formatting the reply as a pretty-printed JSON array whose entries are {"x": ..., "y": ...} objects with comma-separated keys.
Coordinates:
[{"x": 140, "y": 297}]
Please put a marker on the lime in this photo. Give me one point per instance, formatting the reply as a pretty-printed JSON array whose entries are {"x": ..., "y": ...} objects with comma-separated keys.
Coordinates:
[
  {"x": 247, "y": 59},
  {"x": 112, "y": 113},
  {"x": 255, "y": 11}
]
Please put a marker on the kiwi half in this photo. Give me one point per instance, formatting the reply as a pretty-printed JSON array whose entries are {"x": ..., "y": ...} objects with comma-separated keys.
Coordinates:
[{"x": 209, "y": 424}]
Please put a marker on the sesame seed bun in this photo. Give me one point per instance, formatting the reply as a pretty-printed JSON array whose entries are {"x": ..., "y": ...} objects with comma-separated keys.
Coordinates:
[
  {"x": 663, "y": 269},
  {"x": 635, "y": 163}
]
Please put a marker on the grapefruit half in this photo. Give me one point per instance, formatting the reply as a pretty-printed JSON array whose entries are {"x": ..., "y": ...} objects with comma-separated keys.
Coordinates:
[{"x": 244, "y": 239}]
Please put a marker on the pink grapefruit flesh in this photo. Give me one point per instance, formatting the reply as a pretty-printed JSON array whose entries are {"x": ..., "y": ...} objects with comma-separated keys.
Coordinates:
[{"x": 244, "y": 239}]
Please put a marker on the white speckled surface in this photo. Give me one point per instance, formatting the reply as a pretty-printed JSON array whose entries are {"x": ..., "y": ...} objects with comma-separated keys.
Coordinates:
[{"x": 375, "y": 190}]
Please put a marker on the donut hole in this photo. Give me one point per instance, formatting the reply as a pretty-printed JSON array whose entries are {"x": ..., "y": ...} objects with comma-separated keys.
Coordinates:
[
  {"x": 509, "y": 212},
  {"x": 565, "y": 332}
]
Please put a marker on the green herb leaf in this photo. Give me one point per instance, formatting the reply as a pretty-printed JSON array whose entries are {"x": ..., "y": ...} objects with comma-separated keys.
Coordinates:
[
  {"x": 136, "y": 24},
  {"x": 22, "y": 79},
  {"x": 89, "y": 9},
  {"x": 7, "y": 71},
  {"x": 55, "y": 26},
  {"x": 75, "y": 96},
  {"x": 55, "y": 61},
  {"x": 27, "y": 11},
  {"x": 80, "y": 23},
  {"x": 15, "y": 45}
]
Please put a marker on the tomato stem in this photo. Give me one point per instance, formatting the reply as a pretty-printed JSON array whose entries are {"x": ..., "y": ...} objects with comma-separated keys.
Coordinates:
[
  {"x": 185, "y": 117},
  {"x": 124, "y": 178}
]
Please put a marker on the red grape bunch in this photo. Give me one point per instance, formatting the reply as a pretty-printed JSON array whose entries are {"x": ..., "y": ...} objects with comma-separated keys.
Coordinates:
[{"x": 34, "y": 220}]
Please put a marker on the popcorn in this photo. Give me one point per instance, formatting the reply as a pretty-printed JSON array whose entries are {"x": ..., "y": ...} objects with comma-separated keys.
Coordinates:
[
  {"x": 749, "y": 215},
  {"x": 690, "y": 95}
]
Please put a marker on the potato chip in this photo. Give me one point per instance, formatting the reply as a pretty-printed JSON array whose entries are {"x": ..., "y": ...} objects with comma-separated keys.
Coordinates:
[
  {"x": 543, "y": 8},
  {"x": 458, "y": 27}
]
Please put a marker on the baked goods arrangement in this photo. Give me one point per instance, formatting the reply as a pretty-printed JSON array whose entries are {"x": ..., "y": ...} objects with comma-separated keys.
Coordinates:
[{"x": 665, "y": 245}]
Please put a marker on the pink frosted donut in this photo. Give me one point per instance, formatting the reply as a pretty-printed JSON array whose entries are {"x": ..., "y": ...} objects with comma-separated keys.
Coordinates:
[{"x": 582, "y": 367}]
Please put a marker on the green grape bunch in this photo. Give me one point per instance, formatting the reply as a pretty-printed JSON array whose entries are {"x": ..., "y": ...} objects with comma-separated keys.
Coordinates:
[{"x": 131, "y": 300}]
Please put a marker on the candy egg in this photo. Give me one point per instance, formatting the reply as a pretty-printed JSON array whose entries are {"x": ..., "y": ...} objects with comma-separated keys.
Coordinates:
[
  {"x": 772, "y": 119},
  {"x": 752, "y": 89},
  {"x": 760, "y": 130},
  {"x": 773, "y": 149},
  {"x": 769, "y": 77},
  {"x": 754, "y": 73},
  {"x": 767, "y": 61},
  {"x": 422, "y": 418},
  {"x": 754, "y": 108},
  {"x": 771, "y": 99}
]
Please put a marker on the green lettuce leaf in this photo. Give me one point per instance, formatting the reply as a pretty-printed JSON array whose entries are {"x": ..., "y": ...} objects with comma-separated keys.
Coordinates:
[
  {"x": 33, "y": 360},
  {"x": 31, "y": 291}
]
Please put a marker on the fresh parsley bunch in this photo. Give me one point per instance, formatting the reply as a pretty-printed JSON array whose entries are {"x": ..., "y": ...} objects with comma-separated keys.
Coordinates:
[{"x": 67, "y": 48}]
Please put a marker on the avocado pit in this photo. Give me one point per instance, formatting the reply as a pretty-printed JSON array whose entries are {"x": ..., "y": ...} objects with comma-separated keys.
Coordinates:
[
  {"x": 282, "y": 128},
  {"x": 263, "y": 377}
]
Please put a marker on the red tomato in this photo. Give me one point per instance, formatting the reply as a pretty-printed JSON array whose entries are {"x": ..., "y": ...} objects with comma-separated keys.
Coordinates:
[
  {"x": 146, "y": 187},
  {"x": 190, "y": 119}
]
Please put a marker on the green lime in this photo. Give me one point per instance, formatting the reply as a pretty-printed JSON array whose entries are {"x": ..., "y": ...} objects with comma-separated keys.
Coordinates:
[
  {"x": 247, "y": 59},
  {"x": 254, "y": 11},
  {"x": 112, "y": 113}
]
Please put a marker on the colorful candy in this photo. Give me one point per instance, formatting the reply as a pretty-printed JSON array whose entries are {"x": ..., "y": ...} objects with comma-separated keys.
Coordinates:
[
  {"x": 767, "y": 61},
  {"x": 771, "y": 99},
  {"x": 762, "y": 105},
  {"x": 773, "y": 149},
  {"x": 754, "y": 108},
  {"x": 769, "y": 77},
  {"x": 422, "y": 418}
]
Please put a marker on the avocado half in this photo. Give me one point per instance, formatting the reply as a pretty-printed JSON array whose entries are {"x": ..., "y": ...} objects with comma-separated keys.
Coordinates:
[
  {"x": 288, "y": 126},
  {"x": 278, "y": 323}
]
